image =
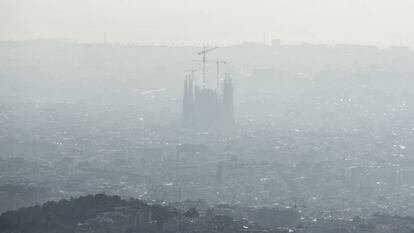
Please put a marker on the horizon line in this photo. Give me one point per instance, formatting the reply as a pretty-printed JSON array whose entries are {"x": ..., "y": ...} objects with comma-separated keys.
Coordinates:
[{"x": 208, "y": 44}]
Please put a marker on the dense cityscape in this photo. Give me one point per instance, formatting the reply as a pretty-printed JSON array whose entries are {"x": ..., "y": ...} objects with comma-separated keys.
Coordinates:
[{"x": 321, "y": 138}]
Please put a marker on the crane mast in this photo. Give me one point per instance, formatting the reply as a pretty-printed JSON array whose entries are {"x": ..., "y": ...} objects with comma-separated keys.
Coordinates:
[{"x": 203, "y": 52}]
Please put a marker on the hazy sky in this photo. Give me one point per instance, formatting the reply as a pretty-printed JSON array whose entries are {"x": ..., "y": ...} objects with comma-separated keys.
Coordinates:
[{"x": 382, "y": 22}]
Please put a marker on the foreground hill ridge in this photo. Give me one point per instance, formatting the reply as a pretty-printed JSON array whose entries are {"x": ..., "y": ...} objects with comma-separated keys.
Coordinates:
[{"x": 103, "y": 213}]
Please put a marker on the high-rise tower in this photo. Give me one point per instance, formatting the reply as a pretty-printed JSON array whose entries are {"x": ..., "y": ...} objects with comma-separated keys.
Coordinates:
[
  {"x": 206, "y": 109},
  {"x": 188, "y": 102},
  {"x": 228, "y": 121}
]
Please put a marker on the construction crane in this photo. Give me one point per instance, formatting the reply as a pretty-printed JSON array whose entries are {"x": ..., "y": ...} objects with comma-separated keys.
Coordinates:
[
  {"x": 203, "y": 52},
  {"x": 218, "y": 62}
]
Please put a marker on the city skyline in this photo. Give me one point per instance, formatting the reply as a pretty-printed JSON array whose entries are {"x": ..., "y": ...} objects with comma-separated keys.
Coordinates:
[{"x": 370, "y": 22}]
